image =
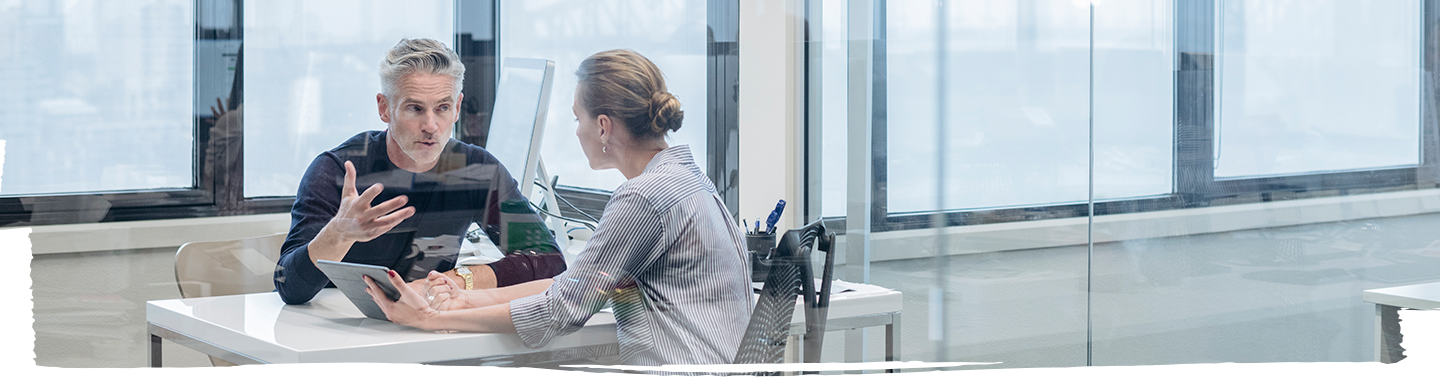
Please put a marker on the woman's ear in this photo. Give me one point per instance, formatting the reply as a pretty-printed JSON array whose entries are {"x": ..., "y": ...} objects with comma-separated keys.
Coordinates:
[{"x": 606, "y": 125}]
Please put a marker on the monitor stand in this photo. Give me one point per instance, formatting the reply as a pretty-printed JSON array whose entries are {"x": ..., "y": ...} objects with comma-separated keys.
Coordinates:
[{"x": 552, "y": 205}]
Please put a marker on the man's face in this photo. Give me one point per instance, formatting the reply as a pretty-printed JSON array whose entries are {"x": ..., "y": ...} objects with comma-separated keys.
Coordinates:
[{"x": 420, "y": 117}]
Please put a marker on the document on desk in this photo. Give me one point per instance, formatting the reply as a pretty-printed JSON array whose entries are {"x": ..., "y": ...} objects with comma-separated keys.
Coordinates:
[{"x": 836, "y": 287}]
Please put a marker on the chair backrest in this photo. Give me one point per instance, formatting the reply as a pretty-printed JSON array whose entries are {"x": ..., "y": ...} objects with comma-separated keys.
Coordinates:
[
  {"x": 790, "y": 275},
  {"x": 231, "y": 267}
]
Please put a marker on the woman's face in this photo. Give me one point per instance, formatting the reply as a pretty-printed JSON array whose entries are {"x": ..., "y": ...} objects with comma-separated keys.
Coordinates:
[{"x": 588, "y": 130}]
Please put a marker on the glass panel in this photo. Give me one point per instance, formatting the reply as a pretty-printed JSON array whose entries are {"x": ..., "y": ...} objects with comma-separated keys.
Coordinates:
[
  {"x": 1313, "y": 86},
  {"x": 1019, "y": 103},
  {"x": 99, "y": 95},
  {"x": 1303, "y": 86},
  {"x": 670, "y": 33},
  {"x": 318, "y": 62},
  {"x": 1016, "y": 122}
]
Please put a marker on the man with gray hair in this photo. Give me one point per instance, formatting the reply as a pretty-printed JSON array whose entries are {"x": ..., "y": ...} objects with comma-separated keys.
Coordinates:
[{"x": 431, "y": 188}]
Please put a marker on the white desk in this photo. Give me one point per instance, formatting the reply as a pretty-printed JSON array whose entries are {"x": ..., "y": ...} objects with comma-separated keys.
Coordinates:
[
  {"x": 260, "y": 329},
  {"x": 1389, "y": 301}
]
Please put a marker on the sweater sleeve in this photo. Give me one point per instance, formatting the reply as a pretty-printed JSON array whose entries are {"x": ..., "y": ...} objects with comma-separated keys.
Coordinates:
[{"x": 316, "y": 202}]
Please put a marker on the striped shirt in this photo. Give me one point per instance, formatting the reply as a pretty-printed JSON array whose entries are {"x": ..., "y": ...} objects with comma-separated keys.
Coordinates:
[{"x": 669, "y": 259}]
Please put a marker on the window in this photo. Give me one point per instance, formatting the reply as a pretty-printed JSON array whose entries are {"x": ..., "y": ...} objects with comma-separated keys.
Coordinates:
[
  {"x": 672, "y": 34},
  {"x": 106, "y": 100},
  {"x": 1322, "y": 86},
  {"x": 165, "y": 109}
]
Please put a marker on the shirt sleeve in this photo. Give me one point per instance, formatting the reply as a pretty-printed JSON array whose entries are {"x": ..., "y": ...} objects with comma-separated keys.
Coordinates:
[
  {"x": 316, "y": 202},
  {"x": 626, "y": 242}
]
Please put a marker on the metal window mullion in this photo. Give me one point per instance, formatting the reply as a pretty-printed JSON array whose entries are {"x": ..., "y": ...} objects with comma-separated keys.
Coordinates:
[{"x": 722, "y": 82}]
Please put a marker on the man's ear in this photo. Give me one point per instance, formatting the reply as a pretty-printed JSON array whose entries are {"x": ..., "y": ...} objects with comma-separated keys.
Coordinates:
[
  {"x": 384, "y": 106},
  {"x": 459, "y": 100}
]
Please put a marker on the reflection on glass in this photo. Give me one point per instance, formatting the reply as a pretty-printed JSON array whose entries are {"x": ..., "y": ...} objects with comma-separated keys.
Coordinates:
[
  {"x": 98, "y": 95},
  {"x": 1313, "y": 86},
  {"x": 317, "y": 64},
  {"x": 670, "y": 33}
]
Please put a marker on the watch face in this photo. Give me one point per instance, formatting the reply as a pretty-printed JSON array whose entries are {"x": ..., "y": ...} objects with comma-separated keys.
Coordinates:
[{"x": 462, "y": 270}]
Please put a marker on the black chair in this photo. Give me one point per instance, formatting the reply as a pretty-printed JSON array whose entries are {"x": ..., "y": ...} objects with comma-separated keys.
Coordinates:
[{"x": 790, "y": 275}]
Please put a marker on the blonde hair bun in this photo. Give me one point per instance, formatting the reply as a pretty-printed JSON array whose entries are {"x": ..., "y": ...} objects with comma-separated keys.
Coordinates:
[{"x": 665, "y": 112}]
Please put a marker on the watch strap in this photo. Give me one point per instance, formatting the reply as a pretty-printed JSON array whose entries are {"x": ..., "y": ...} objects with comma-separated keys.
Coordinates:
[{"x": 464, "y": 273}]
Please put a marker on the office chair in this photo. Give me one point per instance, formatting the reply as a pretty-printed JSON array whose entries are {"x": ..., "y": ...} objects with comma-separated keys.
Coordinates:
[
  {"x": 232, "y": 267},
  {"x": 790, "y": 275}
]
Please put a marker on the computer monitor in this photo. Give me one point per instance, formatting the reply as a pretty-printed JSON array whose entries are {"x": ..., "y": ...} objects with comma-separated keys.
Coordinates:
[{"x": 518, "y": 121}]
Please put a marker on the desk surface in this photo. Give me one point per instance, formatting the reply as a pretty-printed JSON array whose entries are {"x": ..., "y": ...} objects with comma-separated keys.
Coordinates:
[
  {"x": 330, "y": 329},
  {"x": 1418, "y": 296}
]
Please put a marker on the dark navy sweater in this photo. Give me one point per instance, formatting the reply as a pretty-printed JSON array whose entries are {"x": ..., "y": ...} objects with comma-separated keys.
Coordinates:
[{"x": 467, "y": 185}]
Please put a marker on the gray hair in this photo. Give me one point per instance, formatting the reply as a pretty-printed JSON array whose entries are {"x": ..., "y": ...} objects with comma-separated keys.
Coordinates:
[{"x": 418, "y": 55}]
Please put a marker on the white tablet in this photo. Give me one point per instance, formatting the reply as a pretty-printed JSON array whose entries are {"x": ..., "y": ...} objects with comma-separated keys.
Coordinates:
[{"x": 348, "y": 277}]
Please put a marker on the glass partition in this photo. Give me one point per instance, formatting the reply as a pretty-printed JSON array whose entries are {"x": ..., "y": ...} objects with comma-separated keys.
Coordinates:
[
  {"x": 1064, "y": 183},
  {"x": 1305, "y": 94}
]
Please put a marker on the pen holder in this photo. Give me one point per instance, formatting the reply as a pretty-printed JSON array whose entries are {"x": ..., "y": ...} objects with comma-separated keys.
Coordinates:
[{"x": 759, "y": 246}]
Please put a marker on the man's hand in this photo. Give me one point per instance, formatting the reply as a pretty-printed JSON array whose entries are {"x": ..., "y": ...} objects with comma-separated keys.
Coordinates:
[{"x": 357, "y": 221}]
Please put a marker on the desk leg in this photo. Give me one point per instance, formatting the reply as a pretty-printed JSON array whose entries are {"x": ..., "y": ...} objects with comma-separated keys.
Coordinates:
[
  {"x": 154, "y": 351},
  {"x": 892, "y": 341},
  {"x": 855, "y": 348},
  {"x": 1387, "y": 334}
]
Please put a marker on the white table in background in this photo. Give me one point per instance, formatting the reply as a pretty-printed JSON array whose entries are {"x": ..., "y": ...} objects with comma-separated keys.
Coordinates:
[{"x": 1419, "y": 296}]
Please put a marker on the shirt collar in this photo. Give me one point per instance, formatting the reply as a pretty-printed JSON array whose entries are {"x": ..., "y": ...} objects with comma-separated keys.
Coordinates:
[{"x": 673, "y": 154}]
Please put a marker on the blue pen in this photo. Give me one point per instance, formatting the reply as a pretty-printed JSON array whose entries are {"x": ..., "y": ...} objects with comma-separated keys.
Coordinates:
[
  {"x": 757, "y": 226},
  {"x": 774, "y": 217}
]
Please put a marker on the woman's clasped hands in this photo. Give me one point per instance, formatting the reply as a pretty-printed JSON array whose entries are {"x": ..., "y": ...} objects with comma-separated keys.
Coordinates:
[{"x": 444, "y": 293}]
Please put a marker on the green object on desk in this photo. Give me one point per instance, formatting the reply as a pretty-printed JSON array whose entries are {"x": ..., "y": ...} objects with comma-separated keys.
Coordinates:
[{"x": 520, "y": 230}]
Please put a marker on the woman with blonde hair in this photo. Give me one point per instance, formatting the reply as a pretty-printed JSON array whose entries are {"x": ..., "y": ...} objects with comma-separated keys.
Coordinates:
[{"x": 665, "y": 254}]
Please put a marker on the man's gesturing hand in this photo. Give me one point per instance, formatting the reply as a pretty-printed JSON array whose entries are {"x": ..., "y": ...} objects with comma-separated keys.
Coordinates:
[{"x": 357, "y": 220}]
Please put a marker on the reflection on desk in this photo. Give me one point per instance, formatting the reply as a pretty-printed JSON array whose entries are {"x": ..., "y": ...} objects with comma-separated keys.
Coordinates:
[{"x": 331, "y": 329}]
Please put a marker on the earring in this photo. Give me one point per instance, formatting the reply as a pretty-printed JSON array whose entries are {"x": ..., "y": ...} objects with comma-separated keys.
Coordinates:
[{"x": 605, "y": 149}]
